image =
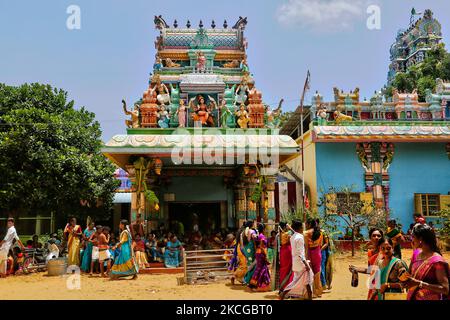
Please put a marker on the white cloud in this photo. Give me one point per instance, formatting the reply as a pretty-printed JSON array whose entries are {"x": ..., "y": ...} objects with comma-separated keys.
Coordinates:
[{"x": 321, "y": 15}]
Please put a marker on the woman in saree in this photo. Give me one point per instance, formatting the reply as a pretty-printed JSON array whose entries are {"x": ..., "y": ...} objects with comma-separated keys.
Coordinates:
[
  {"x": 314, "y": 241},
  {"x": 428, "y": 275},
  {"x": 172, "y": 253},
  {"x": 326, "y": 268},
  {"x": 139, "y": 251},
  {"x": 285, "y": 255},
  {"x": 125, "y": 264},
  {"x": 393, "y": 233},
  {"x": 238, "y": 263},
  {"x": 73, "y": 233},
  {"x": 260, "y": 280},
  {"x": 390, "y": 268},
  {"x": 373, "y": 255},
  {"x": 249, "y": 250},
  {"x": 87, "y": 252}
]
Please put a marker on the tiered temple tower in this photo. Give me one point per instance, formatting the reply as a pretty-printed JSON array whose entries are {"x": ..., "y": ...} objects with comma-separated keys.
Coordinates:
[{"x": 201, "y": 138}]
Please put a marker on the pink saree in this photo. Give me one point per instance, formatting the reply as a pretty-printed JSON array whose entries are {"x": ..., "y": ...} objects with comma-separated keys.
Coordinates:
[{"x": 425, "y": 270}]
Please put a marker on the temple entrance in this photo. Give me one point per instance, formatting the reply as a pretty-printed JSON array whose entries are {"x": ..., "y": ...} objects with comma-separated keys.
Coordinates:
[{"x": 209, "y": 218}]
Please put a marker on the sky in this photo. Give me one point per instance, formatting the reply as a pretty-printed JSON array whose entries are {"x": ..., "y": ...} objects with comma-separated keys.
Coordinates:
[{"x": 110, "y": 56}]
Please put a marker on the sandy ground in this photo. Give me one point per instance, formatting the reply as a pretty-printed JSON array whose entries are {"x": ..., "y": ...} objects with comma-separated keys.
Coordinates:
[{"x": 157, "y": 287}]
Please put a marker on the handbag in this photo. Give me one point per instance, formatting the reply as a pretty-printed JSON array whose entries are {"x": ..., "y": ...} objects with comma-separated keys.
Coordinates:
[{"x": 396, "y": 295}]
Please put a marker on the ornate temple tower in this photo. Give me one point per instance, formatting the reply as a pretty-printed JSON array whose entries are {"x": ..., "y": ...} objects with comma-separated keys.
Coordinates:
[
  {"x": 411, "y": 45},
  {"x": 203, "y": 135}
]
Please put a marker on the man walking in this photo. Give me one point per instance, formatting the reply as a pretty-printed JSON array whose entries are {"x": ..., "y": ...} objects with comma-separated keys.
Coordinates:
[
  {"x": 6, "y": 244},
  {"x": 301, "y": 284}
]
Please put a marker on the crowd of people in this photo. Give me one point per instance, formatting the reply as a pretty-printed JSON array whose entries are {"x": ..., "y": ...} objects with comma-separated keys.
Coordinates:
[
  {"x": 299, "y": 261},
  {"x": 426, "y": 277},
  {"x": 295, "y": 262}
]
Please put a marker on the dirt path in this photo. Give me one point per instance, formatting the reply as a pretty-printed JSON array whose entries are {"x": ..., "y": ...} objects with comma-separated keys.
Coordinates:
[{"x": 157, "y": 287}]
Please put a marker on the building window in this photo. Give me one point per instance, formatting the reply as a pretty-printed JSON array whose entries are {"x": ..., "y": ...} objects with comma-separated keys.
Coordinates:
[{"x": 427, "y": 203}]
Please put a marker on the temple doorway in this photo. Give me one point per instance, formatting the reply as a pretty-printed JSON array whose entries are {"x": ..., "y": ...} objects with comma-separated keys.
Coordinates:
[{"x": 208, "y": 213}]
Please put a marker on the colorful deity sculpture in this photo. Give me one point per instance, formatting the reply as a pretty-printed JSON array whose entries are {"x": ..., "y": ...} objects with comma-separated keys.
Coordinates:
[
  {"x": 322, "y": 115},
  {"x": 134, "y": 122},
  {"x": 171, "y": 64},
  {"x": 242, "y": 117},
  {"x": 163, "y": 95},
  {"x": 244, "y": 65},
  {"x": 242, "y": 91},
  {"x": 203, "y": 112},
  {"x": 273, "y": 119},
  {"x": 231, "y": 64},
  {"x": 158, "y": 64},
  {"x": 181, "y": 114},
  {"x": 226, "y": 115},
  {"x": 201, "y": 62},
  {"x": 163, "y": 116}
]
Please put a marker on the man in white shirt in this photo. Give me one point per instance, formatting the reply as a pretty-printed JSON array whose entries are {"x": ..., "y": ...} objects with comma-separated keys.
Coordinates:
[
  {"x": 6, "y": 244},
  {"x": 301, "y": 284}
]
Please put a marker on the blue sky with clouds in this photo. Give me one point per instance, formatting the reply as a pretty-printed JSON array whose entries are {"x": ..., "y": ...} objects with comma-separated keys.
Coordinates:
[{"x": 110, "y": 57}]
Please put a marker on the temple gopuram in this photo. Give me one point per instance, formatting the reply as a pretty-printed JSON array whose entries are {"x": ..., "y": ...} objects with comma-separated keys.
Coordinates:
[
  {"x": 411, "y": 45},
  {"x": 394, "y": 154},
  {"x": 201, "y": 147}
]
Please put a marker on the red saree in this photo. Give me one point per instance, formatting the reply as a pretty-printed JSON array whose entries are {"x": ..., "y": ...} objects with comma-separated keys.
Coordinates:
[{"x": 286, "y": 273}]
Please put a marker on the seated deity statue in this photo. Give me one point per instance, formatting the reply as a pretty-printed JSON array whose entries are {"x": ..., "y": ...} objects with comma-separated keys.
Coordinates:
[{"x": 203, "y": 112}]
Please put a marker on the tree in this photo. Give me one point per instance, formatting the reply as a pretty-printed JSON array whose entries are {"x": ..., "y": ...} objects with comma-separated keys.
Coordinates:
[
  {"x": 354, "y": 212},
  {"x": 50, "y": 159},
  {"x": 423, "y": 75}
]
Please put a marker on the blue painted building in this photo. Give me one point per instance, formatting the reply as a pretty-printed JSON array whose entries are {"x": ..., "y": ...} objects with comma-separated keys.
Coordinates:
[{"x": 395, "y": 155}]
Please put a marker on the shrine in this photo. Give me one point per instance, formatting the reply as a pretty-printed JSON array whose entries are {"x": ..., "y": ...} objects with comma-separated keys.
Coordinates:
[{"x": 201, "y": 147}]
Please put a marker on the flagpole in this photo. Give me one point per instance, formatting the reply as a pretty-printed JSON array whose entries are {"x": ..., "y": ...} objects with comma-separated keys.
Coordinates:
[{"x": 305, "y": 88}]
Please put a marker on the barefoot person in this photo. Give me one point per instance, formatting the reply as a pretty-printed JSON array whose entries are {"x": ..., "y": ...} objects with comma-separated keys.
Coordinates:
[
  {"x": 103, "y": 251},
  {"x": 95, "y": 250},
  {"x": 73, "y": 233},
  {"x": 125, "y": 264},
  {"x": 87, "y": 252},
  {"x": 260, "y": 280},
  {"x": 6, "y": 244},
  {"x": 314, "y": 241},
  {"x": 285, "y": 256},
  {"x": 301, "y": 284}
]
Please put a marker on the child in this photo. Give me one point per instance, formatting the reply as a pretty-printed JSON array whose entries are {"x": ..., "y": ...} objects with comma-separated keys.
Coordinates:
[
  {"x": 30, "y": 244},
  {"x": 104, "y": 255},
  {"x": 95, "y": 252},
  {"x": 152, "y": 248}
]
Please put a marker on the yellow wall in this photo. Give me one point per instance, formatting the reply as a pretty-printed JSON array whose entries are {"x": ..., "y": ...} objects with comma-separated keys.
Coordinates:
[{"x": 309, "y": 166}]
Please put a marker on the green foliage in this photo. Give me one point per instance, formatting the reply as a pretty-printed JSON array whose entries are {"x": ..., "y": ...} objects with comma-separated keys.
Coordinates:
[
  {"x": 50, "y": 155},
  {"x": 423, "y": 76},
  {"x": 444, "y": 221}
]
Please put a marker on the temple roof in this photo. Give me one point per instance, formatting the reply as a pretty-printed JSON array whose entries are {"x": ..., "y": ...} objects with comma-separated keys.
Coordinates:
[{"x": 186, "y": 37}]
